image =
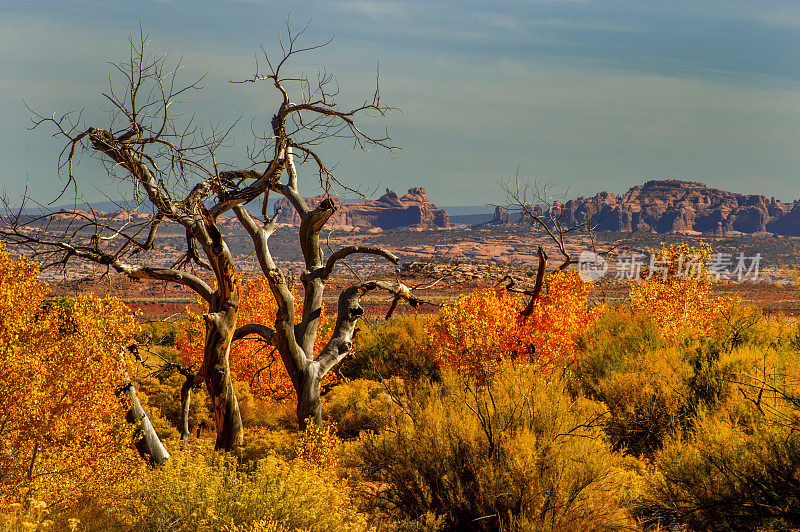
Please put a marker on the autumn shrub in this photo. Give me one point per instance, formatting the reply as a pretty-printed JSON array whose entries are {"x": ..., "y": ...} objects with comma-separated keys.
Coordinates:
[
  {"x": 654, "y": 384},
  {"x": 478, "y": 331},
  {"x": 737, "y": 345},
  {"x": 204, "y": 491},
  {"x": 741, "y": 325},
  {"x": 676, "y": 291},
  {"x": 643, "y": 411},
  {"x": 397, "y": 347},
  {"x": 625, "y": 364},
  {"x": 557, "y": 318},
  {"x": 726, "y": 477},
  {"x": 63, "y": 438},
  {"x": 735, "y": 467},
  {"x": 161, "y": 398},
  {"x": 159, "y": 333},
  {"x": 260, "y": 442},
  {"x": 652, "y": 397},
  {"x": 618, "y": 336},
  {"x": 519, "y": 453},
  {"x": 718, "y": 414},
  {"x": 18, "y": 517},
  {"x": 319, "y": 446},
  {"x": 259, "y": 411},
  {"x": 484, "y": 328},
  {"x": 359, "y": 405}
]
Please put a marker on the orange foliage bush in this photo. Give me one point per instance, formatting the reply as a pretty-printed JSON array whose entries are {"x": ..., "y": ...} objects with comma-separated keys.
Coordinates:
[
  {"x": 677, "y": 293},
  {"x": 63, "y": 434},
  {"x": 484, "y": 327},
  {"x": 252, "y": 360}
]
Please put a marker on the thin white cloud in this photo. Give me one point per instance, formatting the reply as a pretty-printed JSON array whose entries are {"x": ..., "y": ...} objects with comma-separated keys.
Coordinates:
[
  {"x": 505, "y": 22},
  {"x": 377, "y": 11}
]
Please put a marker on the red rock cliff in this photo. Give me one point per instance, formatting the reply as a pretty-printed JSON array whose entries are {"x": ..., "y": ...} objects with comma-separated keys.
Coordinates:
[
  {"x": 387, "y": 212},
  {"x": 672, "y": 206}
]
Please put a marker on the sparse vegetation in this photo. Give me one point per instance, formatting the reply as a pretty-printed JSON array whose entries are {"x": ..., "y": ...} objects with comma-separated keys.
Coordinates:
[
  {"x": 649, "y": 421},
  {"x": 497, "y": 456}
]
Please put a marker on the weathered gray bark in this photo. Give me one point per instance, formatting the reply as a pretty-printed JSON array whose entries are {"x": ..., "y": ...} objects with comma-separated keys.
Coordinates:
[
  {"x": 295, "y": 343},
  {"x": 145, "y": 438},
  {"x": 190, "y": 382},
  {"x": 200, "y": 229},
  {"x": 309, "y": 402},
  {"x": 220, "y": 326},
  {"x": 186, "y": 403}
]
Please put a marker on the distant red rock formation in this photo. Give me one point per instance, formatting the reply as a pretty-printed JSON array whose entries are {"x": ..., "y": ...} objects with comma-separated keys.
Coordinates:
[
  {"x": 128, "y": 216},
  {"x": 387, "y": 212},
  {"x": 69, "y": 214},
  {"x": 672, "y": 206}
]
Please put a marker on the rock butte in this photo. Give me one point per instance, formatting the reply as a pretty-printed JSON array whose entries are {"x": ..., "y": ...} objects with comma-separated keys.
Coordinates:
[
  {"x": 672, "y": 206},
  {"x": 387, "y": 212}
]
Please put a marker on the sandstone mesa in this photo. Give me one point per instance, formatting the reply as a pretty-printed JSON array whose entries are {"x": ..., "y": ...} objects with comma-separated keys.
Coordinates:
[{"x": 672, "y": 206}]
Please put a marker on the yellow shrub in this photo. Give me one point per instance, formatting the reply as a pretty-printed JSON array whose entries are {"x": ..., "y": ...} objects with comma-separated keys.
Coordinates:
[
  {"x": 63, "y": 436},
  {"x": 678, "y": 295},
  {"x": 484, "y": 328},
  {"x": 359, "y": 405},
  {"x": 206, "y": 491},
  {"x": 518, "y": 453},
  {"x": 320, "y": 446}
]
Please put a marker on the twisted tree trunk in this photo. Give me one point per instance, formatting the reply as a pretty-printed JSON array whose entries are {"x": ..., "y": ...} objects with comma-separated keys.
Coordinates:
[
  {"x": 160, "y": 160},
  {"x": 220, "y": 326}
]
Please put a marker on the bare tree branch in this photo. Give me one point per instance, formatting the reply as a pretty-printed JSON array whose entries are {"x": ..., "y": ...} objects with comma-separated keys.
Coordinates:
[
  {"x": 174, "y": 166},
  {"x": 262, "y": 331},
  {"x": 350, "y": 250},
  {"x": 350, "y": 311},
  {"x": 549, "y": 219}
]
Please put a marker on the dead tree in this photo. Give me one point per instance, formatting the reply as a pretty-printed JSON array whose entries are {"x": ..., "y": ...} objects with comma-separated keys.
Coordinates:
[
  {"x": 164, "y": 368},
  {"x": 296, "y": 128},
  {"x": 145, "y": 438},
  {"x": 141, "y": 144},
  {"x": 549, "y": 217},
  {"x": 173, "y": 173}
]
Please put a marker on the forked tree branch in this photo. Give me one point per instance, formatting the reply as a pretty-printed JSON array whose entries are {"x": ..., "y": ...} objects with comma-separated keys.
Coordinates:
[
  {"x": 144, "y": 145},
  {"x": 537, "y": 288},
  {"x": 98, "y": 256},
  {"x": 349, "y": 312}
]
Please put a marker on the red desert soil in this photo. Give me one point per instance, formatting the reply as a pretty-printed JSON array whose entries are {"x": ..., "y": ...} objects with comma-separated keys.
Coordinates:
[{"x": 436, "y": 286}]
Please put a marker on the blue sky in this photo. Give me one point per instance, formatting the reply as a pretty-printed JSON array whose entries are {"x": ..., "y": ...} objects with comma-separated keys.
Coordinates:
[{"x": 591, "y": 95}]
